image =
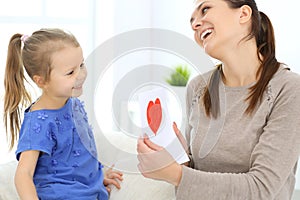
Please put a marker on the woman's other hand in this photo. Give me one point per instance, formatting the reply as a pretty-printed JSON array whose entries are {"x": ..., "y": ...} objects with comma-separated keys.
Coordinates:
[
  {"x": 155, "y": 162},
  {"x": 182, "y": 141},
  {"x": 180, "y": 137}
]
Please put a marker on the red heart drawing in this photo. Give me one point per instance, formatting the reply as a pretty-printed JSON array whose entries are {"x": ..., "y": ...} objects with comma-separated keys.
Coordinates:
[{"x": 154, "y": 115}]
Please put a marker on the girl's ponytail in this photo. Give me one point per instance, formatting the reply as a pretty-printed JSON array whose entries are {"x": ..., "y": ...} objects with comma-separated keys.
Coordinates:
[{"x": 15, "y": 92}]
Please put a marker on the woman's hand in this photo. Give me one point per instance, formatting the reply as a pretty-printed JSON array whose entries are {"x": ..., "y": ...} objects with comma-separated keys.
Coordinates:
[
  {"x": 112, "y": 177},
  {"x": 180, "y": 138},
  {"x": 182, "y": 141},
  {"x": 155, "y": 162}
]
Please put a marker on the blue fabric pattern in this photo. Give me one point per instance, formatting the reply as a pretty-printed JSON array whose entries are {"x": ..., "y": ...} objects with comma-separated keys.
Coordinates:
[{"x": 67, "y": 167}]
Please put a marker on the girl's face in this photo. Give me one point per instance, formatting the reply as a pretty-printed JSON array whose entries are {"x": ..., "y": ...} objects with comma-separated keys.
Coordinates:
[
  {"x": 216, "y": 26},
  {"x": 68, "y": 73}
]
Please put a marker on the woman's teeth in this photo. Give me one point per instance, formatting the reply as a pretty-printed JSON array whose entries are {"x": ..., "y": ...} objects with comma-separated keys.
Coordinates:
[{"x": 205, "y": 34}]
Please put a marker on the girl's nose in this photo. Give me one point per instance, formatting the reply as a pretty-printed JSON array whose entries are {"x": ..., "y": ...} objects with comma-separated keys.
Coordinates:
[{"x": 82, "y": 73}]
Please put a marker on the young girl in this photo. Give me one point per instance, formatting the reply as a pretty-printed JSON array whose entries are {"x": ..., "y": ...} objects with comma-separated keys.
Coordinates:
[
  {"x": 243, "y": 125},
  {"x": 54, "y": 160}
]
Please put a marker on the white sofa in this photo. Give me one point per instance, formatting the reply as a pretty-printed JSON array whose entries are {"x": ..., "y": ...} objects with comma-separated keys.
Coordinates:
[
  {"x": 134, "y": 187},
  {"x": 7, "y": 189}
]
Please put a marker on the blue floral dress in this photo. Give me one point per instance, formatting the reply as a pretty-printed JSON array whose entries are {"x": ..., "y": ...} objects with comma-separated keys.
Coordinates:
[{"x": 68, "y": 167}]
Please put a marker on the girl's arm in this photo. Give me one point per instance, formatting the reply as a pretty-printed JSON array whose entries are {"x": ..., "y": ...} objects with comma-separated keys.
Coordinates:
[{"x": 24, "y": 175}]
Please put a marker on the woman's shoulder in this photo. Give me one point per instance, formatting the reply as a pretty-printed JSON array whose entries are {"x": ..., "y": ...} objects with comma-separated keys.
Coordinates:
[
  {"x": 285, "y": 77},
  {"x": 201, "y": 80},
  {"x": 285, "y": 81},
  {"x": 197, "y": 86}
]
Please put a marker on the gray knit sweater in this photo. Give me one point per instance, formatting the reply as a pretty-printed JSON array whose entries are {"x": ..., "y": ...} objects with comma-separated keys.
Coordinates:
[{"x": 239, "y": 157}]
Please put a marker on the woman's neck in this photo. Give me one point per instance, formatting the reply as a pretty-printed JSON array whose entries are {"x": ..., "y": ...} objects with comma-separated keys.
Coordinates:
[{"x": 240, "y": 66}]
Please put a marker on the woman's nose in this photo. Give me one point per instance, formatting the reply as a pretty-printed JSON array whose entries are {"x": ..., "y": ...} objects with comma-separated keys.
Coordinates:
[{"x": 196, "y": 23}]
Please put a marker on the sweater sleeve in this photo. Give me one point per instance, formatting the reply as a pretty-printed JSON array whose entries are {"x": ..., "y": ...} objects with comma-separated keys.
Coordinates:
[
  {"x": 273, "y": 159},
  {"x": 195, "y": 90}
]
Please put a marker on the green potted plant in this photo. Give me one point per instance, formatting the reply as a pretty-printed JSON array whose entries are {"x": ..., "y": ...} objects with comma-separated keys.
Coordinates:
[
  {"x": 180, "y": 76},
  {"x": 178, "y": 79}
]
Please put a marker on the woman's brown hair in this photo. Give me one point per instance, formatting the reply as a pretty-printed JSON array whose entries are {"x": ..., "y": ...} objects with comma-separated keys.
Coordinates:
[
  {"x": 35, "y": 56},
  {"x": 263, "y": 32}
]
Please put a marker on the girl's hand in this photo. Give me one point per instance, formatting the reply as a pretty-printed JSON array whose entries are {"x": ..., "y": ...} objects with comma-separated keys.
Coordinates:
[
  {"x": 156, "y": 163},
  {"x": 112, "y": 177}
]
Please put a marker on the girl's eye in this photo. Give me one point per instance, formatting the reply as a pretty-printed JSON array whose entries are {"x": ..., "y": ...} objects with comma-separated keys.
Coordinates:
[
  {"x": 70, "y": 73},
  {"x": 82, "y": 65},
  {"x": 204, "y": 10}
]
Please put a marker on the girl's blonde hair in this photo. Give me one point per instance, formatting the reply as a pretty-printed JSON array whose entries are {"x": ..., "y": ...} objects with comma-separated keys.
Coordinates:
[{"x": 36, "y": 58}]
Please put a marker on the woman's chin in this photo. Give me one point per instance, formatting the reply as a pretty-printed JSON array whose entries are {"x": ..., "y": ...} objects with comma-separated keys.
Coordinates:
[{"x": 211, "y": 51}]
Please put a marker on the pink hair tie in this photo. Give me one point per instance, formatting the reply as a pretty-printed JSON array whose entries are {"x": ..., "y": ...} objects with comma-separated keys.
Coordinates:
[{"x": 24, "y": 38}]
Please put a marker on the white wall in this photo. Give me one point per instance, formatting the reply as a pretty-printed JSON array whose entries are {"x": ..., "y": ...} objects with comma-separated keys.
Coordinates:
[
  {"x": 175, "y": 14},
  {"x": 284, "y": 16}
]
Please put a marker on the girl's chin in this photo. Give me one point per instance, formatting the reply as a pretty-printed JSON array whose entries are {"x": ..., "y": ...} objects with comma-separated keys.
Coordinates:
[{"x": 76, "y": 93}]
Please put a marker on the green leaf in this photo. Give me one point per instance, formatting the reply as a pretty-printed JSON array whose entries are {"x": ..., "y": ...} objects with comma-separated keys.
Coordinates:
[{"x": 180, "y": 76}]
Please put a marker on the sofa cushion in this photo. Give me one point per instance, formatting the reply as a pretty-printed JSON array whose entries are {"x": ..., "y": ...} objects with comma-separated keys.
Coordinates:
[{"x": 135, "y": 186}]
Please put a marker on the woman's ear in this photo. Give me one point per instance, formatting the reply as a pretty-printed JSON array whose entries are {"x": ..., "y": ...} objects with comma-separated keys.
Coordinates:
[
  {"x": 39, "y": 81},
  {"x": 245, "y": 14}
]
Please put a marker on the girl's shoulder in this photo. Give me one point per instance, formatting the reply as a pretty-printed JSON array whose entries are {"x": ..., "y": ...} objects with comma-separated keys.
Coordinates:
[
  {"x": 49, "y": 116},
  {"x": 68, "y": 105}
]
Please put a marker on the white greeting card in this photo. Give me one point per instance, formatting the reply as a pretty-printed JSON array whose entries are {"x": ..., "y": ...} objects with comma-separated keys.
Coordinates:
[{"x": 156, "y": 122}]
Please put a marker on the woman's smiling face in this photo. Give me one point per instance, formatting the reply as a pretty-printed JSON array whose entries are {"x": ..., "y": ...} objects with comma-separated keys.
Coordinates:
[{"x": 216, "y": 26}]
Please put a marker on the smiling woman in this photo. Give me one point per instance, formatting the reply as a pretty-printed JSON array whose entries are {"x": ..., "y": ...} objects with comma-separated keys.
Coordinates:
[{"x": 241, "y": 141}]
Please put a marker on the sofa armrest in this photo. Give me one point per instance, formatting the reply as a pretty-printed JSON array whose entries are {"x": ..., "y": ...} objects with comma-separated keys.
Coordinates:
[{"x": 7, "y": 186}]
